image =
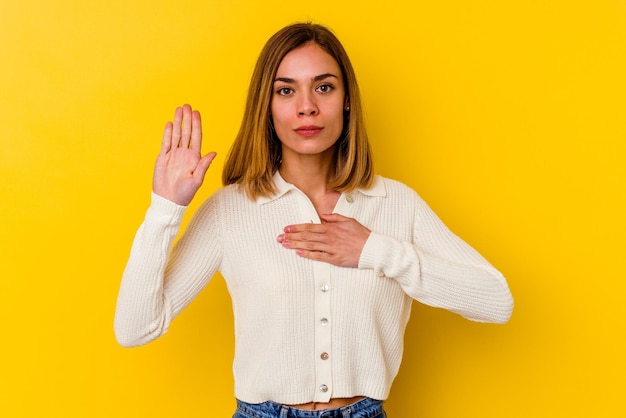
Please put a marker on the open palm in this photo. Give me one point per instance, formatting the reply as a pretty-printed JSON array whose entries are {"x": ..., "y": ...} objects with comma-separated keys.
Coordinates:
[{"x": 180, "y": 169}]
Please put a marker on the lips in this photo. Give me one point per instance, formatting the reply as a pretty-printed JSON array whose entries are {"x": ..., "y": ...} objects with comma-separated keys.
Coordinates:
[{"x": 309, "y": 130}]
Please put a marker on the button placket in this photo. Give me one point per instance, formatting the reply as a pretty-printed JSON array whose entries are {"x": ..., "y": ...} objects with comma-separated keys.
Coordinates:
[
  {"x": 323, "y": 317},
  {"x": 323, "y": 327}
]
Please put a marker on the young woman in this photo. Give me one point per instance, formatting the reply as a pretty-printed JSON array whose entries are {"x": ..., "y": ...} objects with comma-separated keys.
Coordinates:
[{"x": 321, "y": 257}]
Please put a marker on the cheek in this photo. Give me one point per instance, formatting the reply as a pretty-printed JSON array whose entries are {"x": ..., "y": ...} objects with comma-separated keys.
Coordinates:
[
  {"x": 338, "y": 116},
  {"x": 279, "y": 121},
  {"x": 279, "y": 117}
]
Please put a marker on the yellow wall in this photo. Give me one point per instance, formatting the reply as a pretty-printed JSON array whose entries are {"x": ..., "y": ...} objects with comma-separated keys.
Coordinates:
[{"x": 508, "y": 118}]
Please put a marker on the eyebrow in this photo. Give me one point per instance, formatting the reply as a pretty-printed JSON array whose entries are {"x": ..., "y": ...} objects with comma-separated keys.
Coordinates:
[{"x": 316, "y": 78}]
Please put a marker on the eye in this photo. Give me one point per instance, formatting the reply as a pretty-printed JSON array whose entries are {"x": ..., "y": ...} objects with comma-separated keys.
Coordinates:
[
  {"x": 284, "y": 91},
  {"x": 325, "y": 88}
]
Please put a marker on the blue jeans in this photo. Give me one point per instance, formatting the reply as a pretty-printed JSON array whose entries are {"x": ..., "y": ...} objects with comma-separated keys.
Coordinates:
[{"x": 365, "y": 408}]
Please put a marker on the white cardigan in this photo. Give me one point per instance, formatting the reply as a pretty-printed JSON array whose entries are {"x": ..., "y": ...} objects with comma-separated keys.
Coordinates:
[{"x": 306, "y": 331}]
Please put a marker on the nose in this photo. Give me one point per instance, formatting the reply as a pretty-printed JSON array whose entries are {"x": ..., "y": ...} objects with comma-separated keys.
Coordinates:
[{"x": 307, "y": 106}]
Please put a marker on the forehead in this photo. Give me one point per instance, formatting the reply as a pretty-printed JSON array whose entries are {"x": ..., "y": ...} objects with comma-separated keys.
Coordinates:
[{"x": 308, "y": 61}]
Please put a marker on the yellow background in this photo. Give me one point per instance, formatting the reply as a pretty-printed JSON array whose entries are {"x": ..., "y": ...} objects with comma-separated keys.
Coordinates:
[{"x": 506, "y": 116}]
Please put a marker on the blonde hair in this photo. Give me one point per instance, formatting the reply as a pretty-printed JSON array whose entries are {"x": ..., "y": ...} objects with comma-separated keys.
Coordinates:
[{"x": 255, "y": 155}]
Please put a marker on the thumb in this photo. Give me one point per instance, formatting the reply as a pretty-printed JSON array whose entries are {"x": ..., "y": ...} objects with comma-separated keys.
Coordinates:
[{"x": 203, "y": 166}]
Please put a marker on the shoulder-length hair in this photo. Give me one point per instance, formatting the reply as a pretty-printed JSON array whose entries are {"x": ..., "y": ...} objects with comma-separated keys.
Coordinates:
[{"x": 255, "y": 155}]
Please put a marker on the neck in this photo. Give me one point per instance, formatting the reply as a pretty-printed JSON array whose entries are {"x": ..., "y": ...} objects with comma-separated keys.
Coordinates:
[{"x": 309, "y": 173}]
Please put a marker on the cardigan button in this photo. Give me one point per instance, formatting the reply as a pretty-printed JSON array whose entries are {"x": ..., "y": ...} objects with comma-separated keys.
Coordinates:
[
  {"x": 324, "y": 322},
  {"x": 325, "y": 288},
  {"x": 324, "y": 388},
  {"x": 349, "y": 199},
  {"x": 324, "y": 356}
]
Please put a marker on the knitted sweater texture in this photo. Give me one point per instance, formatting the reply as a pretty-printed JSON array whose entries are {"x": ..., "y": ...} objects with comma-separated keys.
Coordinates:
[{"x": 306, "y": 331}]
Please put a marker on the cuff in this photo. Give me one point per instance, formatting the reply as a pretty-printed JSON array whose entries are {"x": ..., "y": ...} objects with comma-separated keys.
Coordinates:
[
  {"x": 165, "y": 211},
  {"x": 375, "y": 247}
]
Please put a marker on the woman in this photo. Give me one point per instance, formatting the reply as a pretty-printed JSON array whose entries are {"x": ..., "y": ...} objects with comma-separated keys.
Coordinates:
[{"x": 321, "y": 257}]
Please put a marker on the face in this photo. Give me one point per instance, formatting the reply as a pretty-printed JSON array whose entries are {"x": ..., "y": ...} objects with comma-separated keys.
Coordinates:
[{"x": 308, "y": 102}]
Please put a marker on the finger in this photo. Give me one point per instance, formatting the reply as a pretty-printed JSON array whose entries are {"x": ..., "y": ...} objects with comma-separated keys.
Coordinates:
[
  {"x": 196, "y": 131},
  {"x": 166, "y": 144},
  {"x": 333, "y": 217},
  {"x": 203, "y": 166},
  {"x": 315, "y": 255},
  {"x": 306, "y": 237},
  {"x": 186, "y": 127},
  {"x": 310, "y": 246},
  {"x": 330, "y": 258},
  {"x": 308, "y": 227},
  {"x": 304, "y": 244},
  {"x": 176, "y": 126}
]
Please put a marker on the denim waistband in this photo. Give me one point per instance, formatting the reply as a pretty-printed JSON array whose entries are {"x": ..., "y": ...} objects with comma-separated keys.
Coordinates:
[{"x": 365, "y": 408}]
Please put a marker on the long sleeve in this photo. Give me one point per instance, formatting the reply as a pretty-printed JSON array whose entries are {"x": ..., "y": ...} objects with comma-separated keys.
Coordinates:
[
  {"x": 439, "y": 269},
  {"x": 158, "y": 283},
  {"x": 300, "y": 324}
]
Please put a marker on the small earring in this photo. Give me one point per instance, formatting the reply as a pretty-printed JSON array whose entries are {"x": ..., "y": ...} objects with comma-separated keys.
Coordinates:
[{"x": 347, "y": 109}]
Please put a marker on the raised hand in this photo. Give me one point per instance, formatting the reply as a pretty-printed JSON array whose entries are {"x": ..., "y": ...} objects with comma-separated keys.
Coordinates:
[
  {"x": 179, "y": 170},
  {"x": 338, "y": 240}
]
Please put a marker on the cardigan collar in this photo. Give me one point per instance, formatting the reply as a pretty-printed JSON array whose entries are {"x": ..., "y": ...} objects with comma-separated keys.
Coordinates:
[{"x": 282, "y": 187}]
